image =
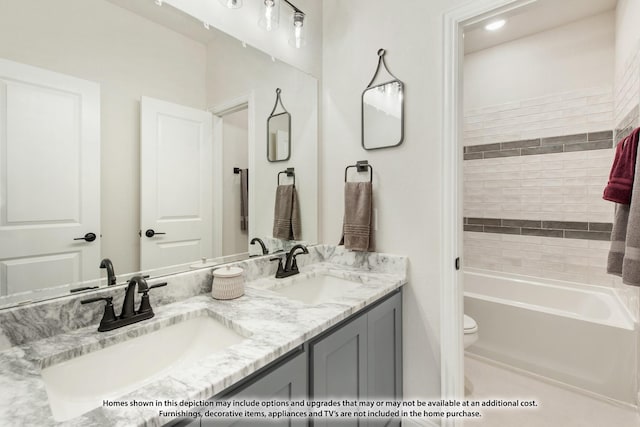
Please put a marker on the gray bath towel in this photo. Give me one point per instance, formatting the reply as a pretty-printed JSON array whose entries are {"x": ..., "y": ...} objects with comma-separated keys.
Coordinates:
[
  {"x": 286, "y": 215},
  {"x": 624, "y": 255},
  {"x": 244, "y": 199},
  {"x": 357, "y": 230}
]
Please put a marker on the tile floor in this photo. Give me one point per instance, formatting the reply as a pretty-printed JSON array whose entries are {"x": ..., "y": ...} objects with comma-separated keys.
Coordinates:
[{"x": 557, "y": 406}]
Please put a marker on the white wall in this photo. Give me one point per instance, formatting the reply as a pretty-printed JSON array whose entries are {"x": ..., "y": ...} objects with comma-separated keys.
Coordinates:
[
  {"x": 98, "y": 41},
  {"x": 576, "y": 56},
  {"x": 235, "y": 136},
  {"x": 257, "y": 73},
  {"x": 407, "y": 179},
  {"x": 243, "y": 25}
]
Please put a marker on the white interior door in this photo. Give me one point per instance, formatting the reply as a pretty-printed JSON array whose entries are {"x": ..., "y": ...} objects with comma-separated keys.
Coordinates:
[
  {"x": 49, "y": 178},
  {"x": 176, "y": 184}
]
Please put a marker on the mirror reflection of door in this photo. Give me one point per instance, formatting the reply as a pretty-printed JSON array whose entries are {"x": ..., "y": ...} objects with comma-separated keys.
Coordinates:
[
  {"x": 235, "y": 134},
  {"x": 49, "y": 178},
  {"x": 176, "y": 184}
]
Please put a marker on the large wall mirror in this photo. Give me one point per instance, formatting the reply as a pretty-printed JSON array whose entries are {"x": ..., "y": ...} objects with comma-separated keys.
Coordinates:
[{"x": 128, "y": 120}]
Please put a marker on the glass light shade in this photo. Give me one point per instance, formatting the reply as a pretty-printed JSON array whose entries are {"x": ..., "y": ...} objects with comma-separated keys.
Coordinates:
[
  {"x": 231, "y": 4},
  {"x": 296, "y": 38},
  {"x": 270, "y": 16}
]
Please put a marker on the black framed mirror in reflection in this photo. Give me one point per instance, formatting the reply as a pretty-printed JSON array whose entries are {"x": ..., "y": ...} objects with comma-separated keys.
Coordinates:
[
  {"x": 131, "y": 61},
  {"x": 279, "y": 132}
]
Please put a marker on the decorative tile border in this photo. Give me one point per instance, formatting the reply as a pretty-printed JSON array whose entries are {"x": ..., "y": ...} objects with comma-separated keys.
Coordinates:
[
  {"x": 559, "y": 229},
  {"x": 557, "y": 144},
  {"x": 629, "y": 123}
]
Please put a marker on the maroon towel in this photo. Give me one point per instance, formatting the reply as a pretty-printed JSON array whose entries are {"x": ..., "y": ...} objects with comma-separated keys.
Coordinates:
[{"x": 624, "y": 164}]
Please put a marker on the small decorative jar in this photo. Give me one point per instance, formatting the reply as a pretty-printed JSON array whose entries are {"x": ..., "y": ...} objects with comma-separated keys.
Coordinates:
[{"x": 228, "y": 283}]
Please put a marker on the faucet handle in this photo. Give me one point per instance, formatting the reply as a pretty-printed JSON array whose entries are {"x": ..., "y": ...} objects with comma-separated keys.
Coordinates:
[
  {"x": 109, "y": 314},
  {"x": 145, "y": 304},
  {"x": 157, "y": 285},
  {"x": 280, "y": 268}
]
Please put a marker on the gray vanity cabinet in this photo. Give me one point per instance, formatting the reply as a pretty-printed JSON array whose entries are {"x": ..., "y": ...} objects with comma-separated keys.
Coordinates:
[{"x": 361, "y": 360}]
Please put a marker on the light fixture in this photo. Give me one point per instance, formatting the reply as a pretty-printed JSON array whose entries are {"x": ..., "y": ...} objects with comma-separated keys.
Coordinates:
[
  {"x": 231, "y": 4},
  {"x": 270, "y": 17},
  {"x": 296, "y": 39},
  {"x": 495, "y": 25}
]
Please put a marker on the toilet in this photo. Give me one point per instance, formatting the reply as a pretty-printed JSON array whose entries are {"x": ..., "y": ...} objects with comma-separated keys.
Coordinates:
[
  {"x": 470, "y": 331},
  {"x": 470, "y": 336}
]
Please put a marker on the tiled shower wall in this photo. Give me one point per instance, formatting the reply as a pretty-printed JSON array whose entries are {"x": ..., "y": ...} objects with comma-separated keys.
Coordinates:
[
  {"x": 534, "y": 172},
  {"x": 627, "y": 96}
]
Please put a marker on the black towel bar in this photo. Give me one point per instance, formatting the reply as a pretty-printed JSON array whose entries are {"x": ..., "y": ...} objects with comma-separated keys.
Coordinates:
[
  {"x": 288, "y": 172},
  {"x": 361, "y": 166}
]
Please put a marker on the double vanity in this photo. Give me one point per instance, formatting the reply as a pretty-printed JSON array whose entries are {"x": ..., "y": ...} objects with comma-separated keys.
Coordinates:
[{"x": 333, "y": 330}]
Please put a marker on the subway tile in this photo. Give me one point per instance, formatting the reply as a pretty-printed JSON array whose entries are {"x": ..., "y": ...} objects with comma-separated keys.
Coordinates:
[
  {"x": 585, "y": 146},
  {"x": 521, "y": 144},
  {"x": 502, "y": 153},
  {"x": 541, "y": 232},
  {"x": 473, "y": 156},
  {"x": 564, "y": 139},
  {"x": 587, "y": 235},
  {"x": 484, "y": 221},
  {"x": 483, "y": 147},
  {"x": 521, "y": 223},
  {"x": 569, "y": 225},
  {"x": 501, "y": 230},
  {"x": 476, "y": 228},
  {"x": 598, "y": 136},
  {"x": 542, "y": 150}
]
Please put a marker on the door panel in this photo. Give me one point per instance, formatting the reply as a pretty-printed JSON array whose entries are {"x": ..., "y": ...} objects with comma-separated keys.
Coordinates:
[
  {"x": 176, "y": 184},
  {"x": 339, "y": 368},
  {"x": 49, "y": 178}
]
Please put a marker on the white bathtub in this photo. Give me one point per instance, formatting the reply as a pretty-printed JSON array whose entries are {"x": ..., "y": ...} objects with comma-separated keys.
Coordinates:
[{"x": 583, "y": 336}]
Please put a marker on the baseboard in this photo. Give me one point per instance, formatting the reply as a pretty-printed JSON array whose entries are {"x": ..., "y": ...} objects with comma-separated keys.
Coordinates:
[{"x": 418, "y": 422}]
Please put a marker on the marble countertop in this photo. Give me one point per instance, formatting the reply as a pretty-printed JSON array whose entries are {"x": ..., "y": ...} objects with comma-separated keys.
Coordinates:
[{"x": 273, "y": 325}]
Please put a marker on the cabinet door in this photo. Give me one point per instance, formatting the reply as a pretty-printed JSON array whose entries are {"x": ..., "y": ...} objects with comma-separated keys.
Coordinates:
[
  {"x": 285, "y": 382},
  {"x": 340, "y": 367},
  {"x": 384, "y": 342}
]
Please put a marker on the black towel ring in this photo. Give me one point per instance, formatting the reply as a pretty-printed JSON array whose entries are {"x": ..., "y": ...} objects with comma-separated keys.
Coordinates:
[
  {"x": 361, "y": 166},
  {"x": 289, "y": 172}
]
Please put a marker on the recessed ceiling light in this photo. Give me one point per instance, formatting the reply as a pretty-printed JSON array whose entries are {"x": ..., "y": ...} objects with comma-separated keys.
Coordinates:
[{"x": 495, "y": 25}]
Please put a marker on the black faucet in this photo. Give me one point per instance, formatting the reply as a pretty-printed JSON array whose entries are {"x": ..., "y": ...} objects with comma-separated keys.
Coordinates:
[
  {"x": 290, "y": 267},
  {"x": 262, "y": 245},
  {"x": 111, "y": 275},
  {"x": 128, "y": 315}
]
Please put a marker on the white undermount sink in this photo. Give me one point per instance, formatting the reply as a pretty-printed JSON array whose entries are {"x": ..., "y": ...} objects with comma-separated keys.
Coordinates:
[
  {"x": 316, "y": 289},
  {"x": 80, "y": 384}
]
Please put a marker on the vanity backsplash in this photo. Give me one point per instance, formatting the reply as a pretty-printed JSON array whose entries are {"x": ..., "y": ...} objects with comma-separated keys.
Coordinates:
[{"x": 23, "y": 324}]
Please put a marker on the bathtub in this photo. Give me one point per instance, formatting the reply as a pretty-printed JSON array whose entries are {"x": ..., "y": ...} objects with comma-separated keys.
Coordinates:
[{"x": 579, "y": 335}]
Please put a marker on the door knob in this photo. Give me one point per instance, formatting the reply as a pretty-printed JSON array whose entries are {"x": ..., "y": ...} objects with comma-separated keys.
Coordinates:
[
  {"x": 89, "y": 237},
  {"x": 150, "y": 233}
]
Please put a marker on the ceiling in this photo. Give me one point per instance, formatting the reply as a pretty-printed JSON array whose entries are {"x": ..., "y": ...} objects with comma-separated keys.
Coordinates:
[{"x": 535, "y": 17}]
